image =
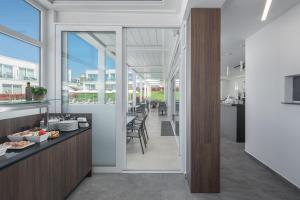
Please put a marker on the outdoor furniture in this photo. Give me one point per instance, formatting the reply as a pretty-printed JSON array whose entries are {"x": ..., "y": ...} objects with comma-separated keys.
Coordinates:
[
  {"x": 153, "y": 104},
  {"x": 136, "y": 128},
  {"x": 141, "y": 119},
  {"x": 136, "y": 131},
  {"x": 162, "y": 108}
]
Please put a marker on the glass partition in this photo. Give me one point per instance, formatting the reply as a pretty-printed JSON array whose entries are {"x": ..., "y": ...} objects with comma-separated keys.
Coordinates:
[
  {"x": 175, "y": 101},
  {"x": 19, "y": 64},
  {"x": 89, "y": 86}
]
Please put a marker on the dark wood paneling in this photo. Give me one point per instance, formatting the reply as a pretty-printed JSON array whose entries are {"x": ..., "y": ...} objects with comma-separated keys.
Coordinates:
[
  {"x": 9, "y": 126},
  {"x": 50, "y": 174},
  {"x": 205, "y": 106}
]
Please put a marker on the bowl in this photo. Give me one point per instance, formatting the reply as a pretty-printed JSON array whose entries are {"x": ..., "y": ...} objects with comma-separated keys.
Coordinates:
[{"x": 37, "y": 139}]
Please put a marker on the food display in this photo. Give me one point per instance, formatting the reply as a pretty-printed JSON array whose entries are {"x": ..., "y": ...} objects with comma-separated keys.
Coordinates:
[
  {"x": 35, "y": 129},
  {"x": 37, "y": 136},
  {"x": 18, "y": 145},
  {"x": 54, "y": 134},
  {"x": 16, "y": 137},
  {"x": 27, "y": 138}
]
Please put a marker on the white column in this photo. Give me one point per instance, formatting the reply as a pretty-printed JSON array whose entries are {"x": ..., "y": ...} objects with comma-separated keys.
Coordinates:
[
  {"x": 133, "y": 89},
  {"x": 101, "y": 75},
  {"x": 141, "y": 90},
  {"x": 145, "y": 90},
  {"x": 149, "y": 91},
  {"x": 49, "y": 73}
]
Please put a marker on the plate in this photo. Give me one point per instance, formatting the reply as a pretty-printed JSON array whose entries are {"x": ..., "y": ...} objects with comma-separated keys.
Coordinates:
[{"x": 20, "y": 147}]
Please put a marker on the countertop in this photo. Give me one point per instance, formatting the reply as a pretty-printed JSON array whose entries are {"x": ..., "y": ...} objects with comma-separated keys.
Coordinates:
[
  {"x": 225, "y": 104},
  {"x": 13, "y": 156}
]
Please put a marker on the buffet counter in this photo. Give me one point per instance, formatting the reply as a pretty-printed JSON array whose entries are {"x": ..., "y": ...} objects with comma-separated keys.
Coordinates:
[
  {"x": 13, "y": 156},
  {"x": 50, "y": 170}
]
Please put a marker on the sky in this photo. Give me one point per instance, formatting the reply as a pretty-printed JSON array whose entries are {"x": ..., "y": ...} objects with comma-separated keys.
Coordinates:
[
  {"x": 20, "y": 16},
  {"x": 82, "y": 56}
]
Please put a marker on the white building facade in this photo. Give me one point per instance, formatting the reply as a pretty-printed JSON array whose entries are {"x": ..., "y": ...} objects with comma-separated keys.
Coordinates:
[{"x": 14, "y": 75}]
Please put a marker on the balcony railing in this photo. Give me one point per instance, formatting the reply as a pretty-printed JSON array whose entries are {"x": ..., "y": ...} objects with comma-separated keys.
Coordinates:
[{"x": 6, "y": 76}]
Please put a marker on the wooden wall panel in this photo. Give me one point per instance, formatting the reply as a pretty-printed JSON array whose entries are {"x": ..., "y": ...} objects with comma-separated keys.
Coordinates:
[
  {"x": 205, "y": 105},
  {"x": 13, "y": 125}
]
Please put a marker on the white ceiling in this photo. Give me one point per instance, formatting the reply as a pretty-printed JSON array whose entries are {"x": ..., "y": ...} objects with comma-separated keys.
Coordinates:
[
  {"x": 148, "y": 50},
  {"x": 241, "y": 19},
  {"x": 177, "y": 7},
  {"x": 153, "y": 6}
]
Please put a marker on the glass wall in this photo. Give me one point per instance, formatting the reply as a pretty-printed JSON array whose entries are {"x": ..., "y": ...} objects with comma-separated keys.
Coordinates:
[
  {"x": 19, "y": 59},
  {"x": 89, "y": 86},
  {"x": 90, "y": 70},
  {"x": 175, "y": 101},
  {"x": 21, "y": 17}
]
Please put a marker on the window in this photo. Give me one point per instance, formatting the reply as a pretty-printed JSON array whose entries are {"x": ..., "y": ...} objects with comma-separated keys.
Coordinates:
[
  {"x": 19, "y": 52},
  {"x": 6, "y": 71},
  {"x": 12, "y": 89},
  {"x": 6, "y": 88},
  {"x": 92, "y": 77},
  {"x": 27, "y": 74},
  {"x": 21, "y": 17},
  {"x": 91, "y": 68},
  {"x": 17, "y": 89}
]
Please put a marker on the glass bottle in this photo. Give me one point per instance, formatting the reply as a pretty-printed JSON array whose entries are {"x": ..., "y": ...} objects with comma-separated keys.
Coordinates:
[{"x": 28, "y": 92}]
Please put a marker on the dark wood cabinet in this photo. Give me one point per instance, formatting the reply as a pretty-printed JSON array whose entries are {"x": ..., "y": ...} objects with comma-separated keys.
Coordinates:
[{"x": 50, "y": 174}]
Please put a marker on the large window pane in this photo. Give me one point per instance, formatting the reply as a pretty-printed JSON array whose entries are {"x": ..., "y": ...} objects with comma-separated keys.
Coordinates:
[
  {"x": 19, "y": 64},
  {"x": 20, "y": 16},
  {"x": 89, "y": 85},
  {"x": 90, "y": 68}
]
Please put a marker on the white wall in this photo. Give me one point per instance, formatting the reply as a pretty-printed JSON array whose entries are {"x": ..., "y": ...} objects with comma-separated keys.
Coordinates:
[
  {"x": 272, "y": 128},
  {"x": 229, "y": 86}
]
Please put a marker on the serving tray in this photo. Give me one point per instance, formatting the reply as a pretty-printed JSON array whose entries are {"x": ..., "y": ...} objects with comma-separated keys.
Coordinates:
[{"x": 20, "y": 147}]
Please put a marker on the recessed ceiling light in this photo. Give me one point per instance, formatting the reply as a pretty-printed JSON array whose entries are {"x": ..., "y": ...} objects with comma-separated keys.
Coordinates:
[{"x": 266, "y": 10}]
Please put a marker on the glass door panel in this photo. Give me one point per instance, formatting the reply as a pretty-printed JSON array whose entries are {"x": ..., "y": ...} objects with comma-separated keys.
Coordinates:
[{"x": 89, "y": 86}]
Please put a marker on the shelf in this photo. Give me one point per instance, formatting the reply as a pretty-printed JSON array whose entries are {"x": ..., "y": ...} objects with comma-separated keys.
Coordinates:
[
  {"x": 22, "y": 105},
  {"x": 7, "y": 106}
]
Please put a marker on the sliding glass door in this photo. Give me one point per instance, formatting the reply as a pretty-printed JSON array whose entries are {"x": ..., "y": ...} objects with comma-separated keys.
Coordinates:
[{"x": 91, "y": 73}]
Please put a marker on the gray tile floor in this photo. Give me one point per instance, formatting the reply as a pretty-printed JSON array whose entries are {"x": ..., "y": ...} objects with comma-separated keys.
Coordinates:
[
  {"x": 162, "y": 152},
  {"x": 241, "y": 179}
]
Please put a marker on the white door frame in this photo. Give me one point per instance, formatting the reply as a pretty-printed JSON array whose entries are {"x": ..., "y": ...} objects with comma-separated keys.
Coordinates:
[
  {"x": 182, "y": 125},
  {"x": 120, "y": 116}
]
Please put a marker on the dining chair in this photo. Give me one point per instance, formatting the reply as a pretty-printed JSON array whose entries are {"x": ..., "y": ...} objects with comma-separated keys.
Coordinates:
[{"x": 135, "y": 131}]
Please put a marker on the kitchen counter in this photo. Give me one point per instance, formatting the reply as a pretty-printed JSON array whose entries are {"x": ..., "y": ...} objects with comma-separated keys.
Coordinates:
[
  {"x": 233, "y": 122},
  {"x": 13, "y": 156}
]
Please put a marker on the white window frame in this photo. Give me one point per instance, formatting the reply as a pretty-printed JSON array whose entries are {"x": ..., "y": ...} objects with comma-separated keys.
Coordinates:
[
  {"x": 27, "y": 39},
  {"x": 120, "y": 69}
]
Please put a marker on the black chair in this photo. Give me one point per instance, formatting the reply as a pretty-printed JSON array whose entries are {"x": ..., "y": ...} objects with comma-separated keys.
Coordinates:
[
  {"x": 141, "y": 120},
  {"x": 162, "y": 108},
  {"x": 135, "y": 131}
]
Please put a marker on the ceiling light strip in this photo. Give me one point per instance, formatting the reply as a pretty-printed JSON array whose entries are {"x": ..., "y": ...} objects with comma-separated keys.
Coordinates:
[{"x": 266, "y": 10}]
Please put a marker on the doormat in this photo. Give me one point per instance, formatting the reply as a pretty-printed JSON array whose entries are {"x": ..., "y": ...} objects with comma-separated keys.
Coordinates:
[{"x": 166, "y": 128}]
